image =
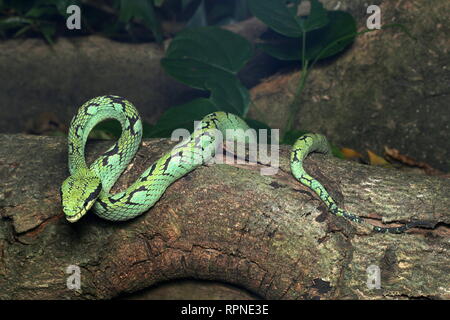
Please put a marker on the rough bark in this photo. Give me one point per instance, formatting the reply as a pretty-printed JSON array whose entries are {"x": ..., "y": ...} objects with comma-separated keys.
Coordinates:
[{"x": 267, "y": 234}]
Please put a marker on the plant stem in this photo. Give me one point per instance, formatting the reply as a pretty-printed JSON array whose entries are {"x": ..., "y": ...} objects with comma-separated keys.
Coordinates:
[{"x": 293, "y": 108}]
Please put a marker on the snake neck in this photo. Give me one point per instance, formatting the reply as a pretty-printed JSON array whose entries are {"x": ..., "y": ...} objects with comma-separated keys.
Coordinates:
[{"x": 113, "y": 162}]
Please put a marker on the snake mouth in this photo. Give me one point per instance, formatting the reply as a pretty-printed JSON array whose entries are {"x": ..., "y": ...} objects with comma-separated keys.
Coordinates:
[{"x": 76, "y": 217}]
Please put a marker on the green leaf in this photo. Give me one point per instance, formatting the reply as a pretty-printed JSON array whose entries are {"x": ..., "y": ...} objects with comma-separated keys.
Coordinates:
[
  {"x": 221, "y": 13},
  {"x": 19, "y": 7},
  {"x": 336, "y": 36},
  {"x": 335, "y": 151},
  {"x": 181, "y": 117},
  {"x": 198, "y": 19},
  {"x": 283, "y": 48},
  {"x": 212, "y": 47},
  {"x": 40, "y": 11},
  {"x": 146, "y": 129},
  {"x": 61, "y": 5},
  {"x": 281, "y": 16},
  {"x": 257, "y": 125},
  {"x": 144, "y": 10},
  {"x": 317, "y": 17},
  {"x": 158, "y": 3},
  {"x": 209, "y": 58},
  {"x": 22, "y": 30},
  {"x": 13, "y": 22},
  {"x": 320, "y": 44},
  {"x": 186, "y": 3},
  {"x": 228, "y": 94},
  {"x": 48, "y": 31}
]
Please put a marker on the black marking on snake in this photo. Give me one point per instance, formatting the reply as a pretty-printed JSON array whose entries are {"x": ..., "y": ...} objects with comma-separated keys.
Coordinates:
[
  {"x": 118, "y": 100},
  {"x": 295, "y": 157},
  {"x": 350, "y": 216},
  {"x": 197, "y": 140},
  {"x": 306, "y": 180},
  {"x": 87, "y": 108},
  {"x": 304, "y": 139},
  {"x": 204, "y": 134},
  {"x": 166, "y": 173},
  {"x": 333, "y": 209},
  {"x": 133, "y": 119},
  {"x": 113, "y": 151},
  {"x": 152, "y": 168},
  {"x": 76, "y": 149},
  {"x": 76, "y": 130},
  {"x": 130, "y": 196},
  {"x": 329, "y": 199},
  {"x": 100, "y": 202},
  {"x": 166, "y": 163},
  {"x": 112, "y": 200},
  {"x": 114, "y": 98},
  {"x": 227, "y": 114},
  {"x": 93, "y": 195},
  {"x": 216, "y": 121},
  {"x": 205, "y": 124}
]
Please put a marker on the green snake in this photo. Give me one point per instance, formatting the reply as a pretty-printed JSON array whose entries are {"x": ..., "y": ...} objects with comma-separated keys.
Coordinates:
[{"x": 89, "y": 186}]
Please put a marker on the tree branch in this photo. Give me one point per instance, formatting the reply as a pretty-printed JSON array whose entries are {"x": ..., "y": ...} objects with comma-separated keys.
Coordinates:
[{"x": 268, "y": 234}]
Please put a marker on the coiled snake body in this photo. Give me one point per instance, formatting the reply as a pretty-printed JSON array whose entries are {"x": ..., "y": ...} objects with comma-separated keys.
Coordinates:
[{"x": 88, "y": 187}]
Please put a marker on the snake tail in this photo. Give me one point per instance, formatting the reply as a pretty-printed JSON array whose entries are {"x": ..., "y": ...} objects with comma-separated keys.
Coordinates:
[{"x": 309, "y": 143}]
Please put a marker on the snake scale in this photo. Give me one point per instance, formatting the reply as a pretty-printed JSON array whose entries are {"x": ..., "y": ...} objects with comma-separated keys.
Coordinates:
[{"x": 89, "y": 186}]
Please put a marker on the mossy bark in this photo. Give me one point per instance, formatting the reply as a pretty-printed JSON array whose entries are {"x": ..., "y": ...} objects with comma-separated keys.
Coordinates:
[{"x": 267, "y": 234}]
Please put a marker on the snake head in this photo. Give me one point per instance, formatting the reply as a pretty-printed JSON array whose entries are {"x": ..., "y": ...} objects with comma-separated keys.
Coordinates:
[{"x": 79, "y": 193}]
